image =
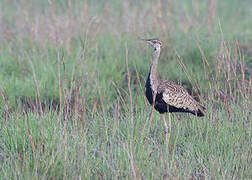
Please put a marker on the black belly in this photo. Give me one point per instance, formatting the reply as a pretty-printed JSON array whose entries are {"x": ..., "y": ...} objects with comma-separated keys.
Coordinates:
[{"x": 160, "y": 104}]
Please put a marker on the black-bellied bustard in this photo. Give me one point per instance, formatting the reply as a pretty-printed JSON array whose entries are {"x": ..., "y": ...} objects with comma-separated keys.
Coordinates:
[{"x": 166, "y": 95}]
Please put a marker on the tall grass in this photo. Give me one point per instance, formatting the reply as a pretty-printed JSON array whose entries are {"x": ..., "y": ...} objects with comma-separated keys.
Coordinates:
[{"x": 72, "y": 77}]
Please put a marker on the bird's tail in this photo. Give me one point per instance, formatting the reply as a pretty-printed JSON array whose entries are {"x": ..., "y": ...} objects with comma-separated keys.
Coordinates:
[{"x": 201, "y": 111}]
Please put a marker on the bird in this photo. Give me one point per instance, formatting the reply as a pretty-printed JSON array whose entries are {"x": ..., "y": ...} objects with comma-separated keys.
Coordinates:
[{"x": 167, "y": 96}]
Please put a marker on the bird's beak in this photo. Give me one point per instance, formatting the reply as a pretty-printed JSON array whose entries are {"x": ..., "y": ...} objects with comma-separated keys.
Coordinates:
[{"x": 147, "y": 40}]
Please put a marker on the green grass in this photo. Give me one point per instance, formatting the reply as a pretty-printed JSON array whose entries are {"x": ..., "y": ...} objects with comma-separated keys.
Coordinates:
[{"x": 65, "y": 99}]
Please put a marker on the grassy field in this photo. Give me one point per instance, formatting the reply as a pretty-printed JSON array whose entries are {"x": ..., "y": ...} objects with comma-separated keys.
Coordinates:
[{"x": 72, "y": 77}]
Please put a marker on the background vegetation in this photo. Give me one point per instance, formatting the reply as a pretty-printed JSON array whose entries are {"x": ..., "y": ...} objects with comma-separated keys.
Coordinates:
[{"x": 72, "y": 77}]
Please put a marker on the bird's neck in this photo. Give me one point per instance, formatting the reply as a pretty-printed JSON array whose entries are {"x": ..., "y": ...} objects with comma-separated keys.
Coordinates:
[{"x": 153, "y": 70}]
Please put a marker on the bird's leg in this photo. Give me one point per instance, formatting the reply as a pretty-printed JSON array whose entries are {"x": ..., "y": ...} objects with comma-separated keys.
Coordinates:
[
  {"x": 167, "y": 131},
  {"x": 152, "y": 109}
]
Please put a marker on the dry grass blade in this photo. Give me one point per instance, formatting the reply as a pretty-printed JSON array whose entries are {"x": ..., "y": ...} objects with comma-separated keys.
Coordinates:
[
  {"x": 140, "y": 84},
  {"x": 6, "y": 106},
  {"x": 129, "y": 88},
  {"x": 182, "y": 65},
  {"x": 38, "y": 99},
  {"x": 33, "y": 153},
  {"x": 119, "y": 94},
  {"x": 60, "y": 82}
]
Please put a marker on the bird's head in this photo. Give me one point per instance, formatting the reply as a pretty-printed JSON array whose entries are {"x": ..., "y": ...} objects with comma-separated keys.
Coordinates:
[{"x": 155, "y": 43}]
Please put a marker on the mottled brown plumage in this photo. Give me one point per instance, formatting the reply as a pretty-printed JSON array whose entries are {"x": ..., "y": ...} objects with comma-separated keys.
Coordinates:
[{"x": 175, "y": 95}]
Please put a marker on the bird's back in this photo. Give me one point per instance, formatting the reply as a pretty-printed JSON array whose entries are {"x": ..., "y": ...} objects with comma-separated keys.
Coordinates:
[{"x": 178, "y": 99}]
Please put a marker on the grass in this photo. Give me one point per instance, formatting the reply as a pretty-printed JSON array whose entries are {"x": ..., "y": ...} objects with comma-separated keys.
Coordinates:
[{"x": 72, "y": 80}]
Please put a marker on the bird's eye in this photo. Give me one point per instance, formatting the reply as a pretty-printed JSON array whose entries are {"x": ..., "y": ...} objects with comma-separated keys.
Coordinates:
[{"x": 155, "y": 48}]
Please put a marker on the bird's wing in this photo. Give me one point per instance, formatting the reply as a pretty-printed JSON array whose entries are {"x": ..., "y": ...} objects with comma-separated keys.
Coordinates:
[{"x": 175, "y": 95}]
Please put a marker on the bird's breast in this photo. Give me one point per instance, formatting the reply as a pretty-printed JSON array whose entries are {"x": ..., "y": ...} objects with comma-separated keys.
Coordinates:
[{"x": 148, "y": 90}]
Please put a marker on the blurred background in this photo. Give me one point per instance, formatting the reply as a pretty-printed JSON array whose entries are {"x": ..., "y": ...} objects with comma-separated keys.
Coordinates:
[
  {"x": 72, "y": 75},
  {"x": 95, "y": 33}
]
